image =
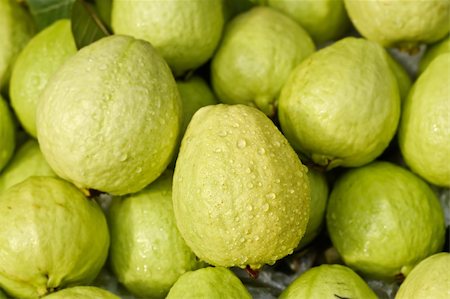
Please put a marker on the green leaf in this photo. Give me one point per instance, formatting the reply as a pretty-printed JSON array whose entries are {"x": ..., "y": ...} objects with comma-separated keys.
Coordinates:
[
  {"x": 87, "y": 26},
  {"x": 45, "y": 12}
]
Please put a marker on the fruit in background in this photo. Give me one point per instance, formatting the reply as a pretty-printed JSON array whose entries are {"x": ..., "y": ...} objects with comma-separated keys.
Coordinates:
[
  {"x": 185, "y": 33},
  {"x": 109, "y": 118},
  {"x": 429, "y": 279},
  {"x": 258, "y": 51},
  {"x": 374, "y": 215},
  {"x": 27, "y": 161},
  {"x": 16, "y": 29},
  {"x": 340, "y": 106},
  {"x": 51, "y": 237},
  {"x": 424, "y": 132},
  {"x": 235, "y": 7},
  {"x": 401, "y": 75},
  {"x": 147, "y": 252},
  {"x": 434, "y": 51},
  {"x": 403, "y": 24},
  {"x": 328, "y": 281},
  {"x": 7, "y": 134},
  {"x": 82, "y": 292},
  {"x": 323, "y": 19},
  {"x": 209, "y": 283},
  {"x": 241, "y": 195},
  {"x": 38, "y": 61},
  {"x": 2, "y": 295}
]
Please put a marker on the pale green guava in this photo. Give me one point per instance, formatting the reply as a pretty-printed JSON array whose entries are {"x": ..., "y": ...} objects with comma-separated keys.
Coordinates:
[
  {"x": 209, "y": 283},
  {"x": 147, "y": 252},
  {"x": 328, "y": 281},
  {"x": 383, "y": 220},
  {"x": 401, "y": 75},
  {"x": 109, "y": 118},
  {"x": 434, "y": 51},
  {"x": 7, "y": 133},
  {"x": 51, "y": 237},
  {"x": 240, "y": 193},
  {"x": 82, "y": 292},
  {"x": 323, "y": 19},
  {"x": 400, "y": 23},
  {"x": 40, "y": 58},
  {"x": 186, "y": 33},
  {"x": 27, "y": 161},
  {"x": 258, "y": 51},
  {"x": 429, "y": 279},
  {"x": 424, "y": 132},
  {"x": 340, "y": 106}
]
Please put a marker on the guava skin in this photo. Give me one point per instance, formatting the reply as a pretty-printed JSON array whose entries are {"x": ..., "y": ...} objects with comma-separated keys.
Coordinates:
[
  {"x": 82, "y": 292},
  {"x": 434, "y": 51},
  {"x": 7, "y": 133}
]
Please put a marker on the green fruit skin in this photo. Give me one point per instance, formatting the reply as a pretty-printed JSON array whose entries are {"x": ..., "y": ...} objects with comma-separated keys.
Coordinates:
[
  {"x": 401, "y": 75},
  {"x": 429, "y": 279},
  {"x": 258, "y": 51},
  {"x": 400, "y": 23},
  {"x": 323, "y": 19},
  {"x": 328, "y": 281},
  {"x": 28, "y": 161},
  {"x": 100, "y": 114},
  {"x": 374, "y": 214},
  {"x": 340, "y": 107},
  {"x": 7, "y": 134},
  {"x": 82, "y": 292},
  {"x": 147, "y": 252},
  {"x": 2, "y": 295},
  {"x": 51, "y": 237},
  {"x": 241, "y": 195},
  {"x": 434, "y": 51},
  {"x": 37, "y": 62},
  {"x": 209, "y": 283},
  {"x": 424, "y": 132},
  {"x": 186, "y": 33}
]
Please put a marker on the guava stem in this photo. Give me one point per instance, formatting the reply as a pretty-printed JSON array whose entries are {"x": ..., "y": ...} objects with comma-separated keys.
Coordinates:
[{"x": 253, "y": 273}]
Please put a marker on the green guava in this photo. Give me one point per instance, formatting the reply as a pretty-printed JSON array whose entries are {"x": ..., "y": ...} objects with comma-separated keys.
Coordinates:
[
  {"x": 340, "y": 106},
  {"x": 209, "y": 283},
  {"x": 109, "y": 118},
  {"x": 186, "y": 33},
  {"x": 401, "y": 75},
  {"x": 328, "y": 281},
  {"x": 434, "y": 51},
  {"x": 429, "y": 279},
  {"x": 240, "y": 193},
  {"x": 51, "y": 237},
  {"x": 82, "y": 292},
  {"x": 40, "y": 58},
  {"x": 147, "y": 252},
  {"x": 424, "y": 133},
  {"x": 374, "y": 217},
  {"x": 27, "y": 161},
  {"x": 7, "y": 134},
  {"x": 258, "y": 51},
  {"x": 2, "y": 295}
]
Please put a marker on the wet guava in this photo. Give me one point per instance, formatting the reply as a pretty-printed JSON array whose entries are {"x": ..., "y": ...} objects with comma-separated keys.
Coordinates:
[
  {"x": 40, "y": 58},
  {"x": 328, "y": 281},
  {"x": 27, "y": 161},
  {"x": 374, "y": 215},
  {"x": 424, "y": 132},
  {"x": 258, "y": 51},
  {"x": 434, "y": 51},
  {"x": 207, "y": 283},
  {"x": 51, "y": 237},
  {"x": 82, "y": 292},
  {"x": 341, "y": 105},
  {"x": 323, "y": 19},
  {"x": 110, "y": 116},
  {"x": 429, "y": 279},
  {"x": 403, "y": 24},
  {"x": 240, "y": 193},
  {"x": 186, "y": 33},
  {"x": 147, "y": 252},
  {"x": 7, "y": 133}
]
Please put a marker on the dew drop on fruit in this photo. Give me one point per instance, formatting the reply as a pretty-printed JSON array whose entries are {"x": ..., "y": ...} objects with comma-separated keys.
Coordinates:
[
  {"x": 265, "y": 207},
  {"x": 261, "y": 151},
  {"x": 241, "y": 143},
  {"x": 271, "y": 196}
]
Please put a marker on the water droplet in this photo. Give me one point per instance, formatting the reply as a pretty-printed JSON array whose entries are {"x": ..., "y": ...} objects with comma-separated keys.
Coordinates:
[
  {"x": 123, "y": 157},
  {"x": 265, "y": 207},
  {"x": 292, "y": 191},
  {"x": 242, "y": 240},
  {"x": 223, "y": 133},
  {"x": 261, "y": 151},
  {"x": 241, "y": 143},
  {"x": 256, "y": 238},
  {"x": 139, "y": 170},
  {"x": 248, "y": 170},
  {"x": 271, "y": 195}
]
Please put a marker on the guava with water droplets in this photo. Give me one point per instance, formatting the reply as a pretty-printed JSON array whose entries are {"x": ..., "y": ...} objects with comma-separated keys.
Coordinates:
[{"x": 84, "y": 292}]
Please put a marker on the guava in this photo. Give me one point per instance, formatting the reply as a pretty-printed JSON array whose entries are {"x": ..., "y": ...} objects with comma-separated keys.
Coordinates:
[
  {"x": 258, "y": 51},
  {"x": 109, "y": 118},
  {"x": 434, "y": 51},
  {"x": 2, "y": 295},
  {"x": 82, "y": 292},
  {"x": 34, "y": 66},
  {"x": 323, "y": 19},
  {"x": 7, "y": 133},
  {"x": 52, "y": 237},
  {"x": 424, "y": 132},
  {"x": 328, "y": 281},
  {"x": 401, "y": 75},
  {"x": 341, "y": 105},
  {"x": 27, "y": 161},
  {"x": 383, "y": 220},
  {"x": 429, "y": 279},
  {"x": 403, "y": 24},
  {"x": 147, "y": 252},
  {"x": 186, "y": 33},
  {"x": 209, "y": 283},
  {"x": 240, "y": 193}
]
